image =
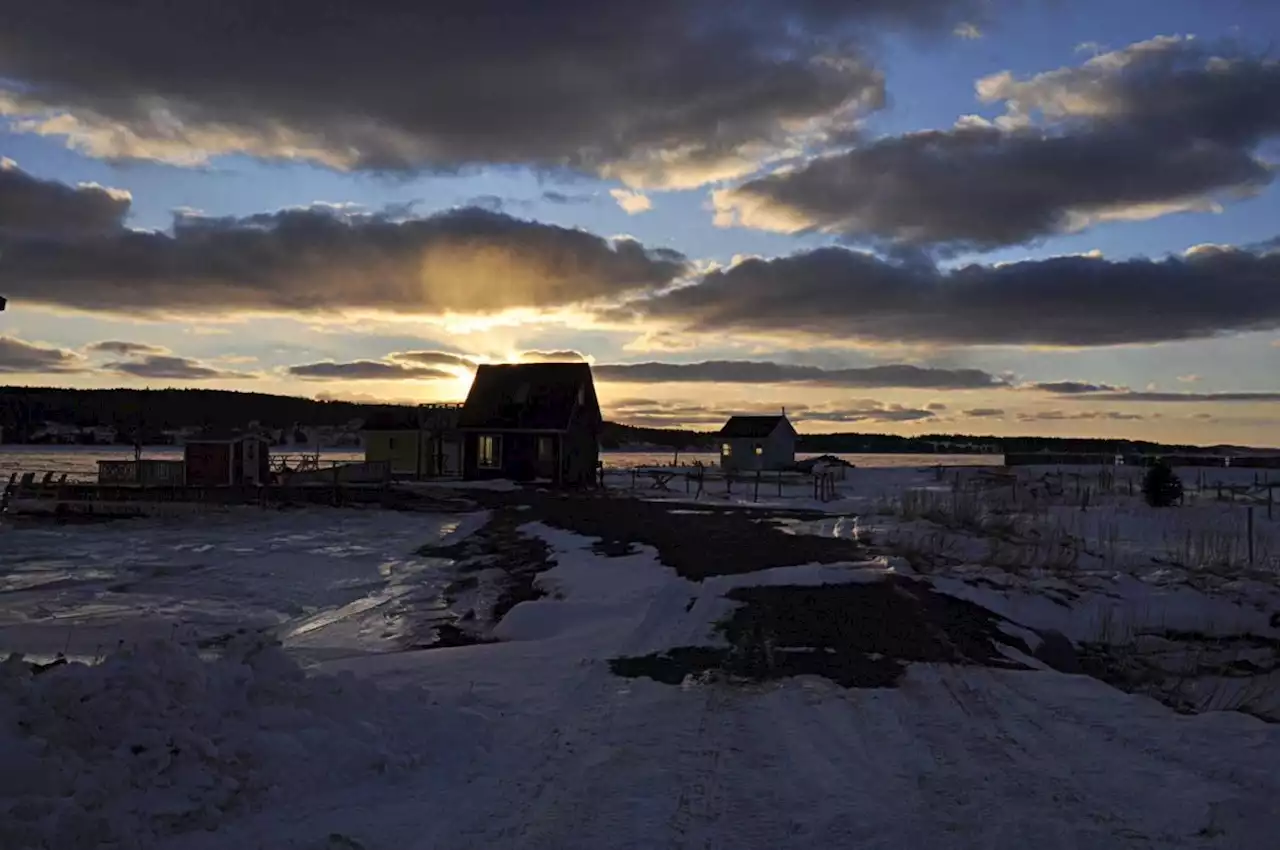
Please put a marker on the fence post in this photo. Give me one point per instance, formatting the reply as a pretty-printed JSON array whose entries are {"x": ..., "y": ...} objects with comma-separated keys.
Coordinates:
[
  {"x": 780, "y": 484},
  {"x": 1249, "y": 524},
  {"x": 756, "y": 496}
]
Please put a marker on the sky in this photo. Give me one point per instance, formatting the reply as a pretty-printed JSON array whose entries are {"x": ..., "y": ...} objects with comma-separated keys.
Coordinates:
[{"x": 900, "y": 216}]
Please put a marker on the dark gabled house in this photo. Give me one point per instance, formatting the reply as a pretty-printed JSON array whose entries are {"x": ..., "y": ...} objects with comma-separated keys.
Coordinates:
[
  {"x": 528, "y": 421},
  {"x": 757, "y": 442}
]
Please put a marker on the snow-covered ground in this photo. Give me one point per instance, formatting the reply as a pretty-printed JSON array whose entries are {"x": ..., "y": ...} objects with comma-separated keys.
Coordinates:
[
  {"x": 563, "y": 754},
  {"x": 330, "y": 582},
  {"x": 534, "y": 742}
]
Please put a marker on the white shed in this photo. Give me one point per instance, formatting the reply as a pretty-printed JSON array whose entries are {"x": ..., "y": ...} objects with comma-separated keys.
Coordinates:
[{"x": 748, "y": 443}]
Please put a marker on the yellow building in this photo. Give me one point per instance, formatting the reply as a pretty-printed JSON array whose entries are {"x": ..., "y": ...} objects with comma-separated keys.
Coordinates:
[{"x": 419, "y": 442}]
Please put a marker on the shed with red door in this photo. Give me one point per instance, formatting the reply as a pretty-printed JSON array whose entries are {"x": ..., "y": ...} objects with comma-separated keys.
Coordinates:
[{"x": 227, "y": 460}]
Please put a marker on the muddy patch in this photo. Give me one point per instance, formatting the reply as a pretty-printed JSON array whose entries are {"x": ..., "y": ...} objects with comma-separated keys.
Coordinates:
[
  {"x": 496, "y": 567},
  {"x": 857, "y": 635},
  {"x": 1193, "y": 672},
  {"x": 713, "y": 541}
]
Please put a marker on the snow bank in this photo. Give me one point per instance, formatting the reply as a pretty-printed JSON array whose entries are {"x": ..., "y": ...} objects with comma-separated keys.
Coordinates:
[{"x": 155, "y": 741}]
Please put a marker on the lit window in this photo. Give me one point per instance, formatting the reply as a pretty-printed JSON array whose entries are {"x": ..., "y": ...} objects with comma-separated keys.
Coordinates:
[
  {"x": 759, "y": 449},
  {"x": 490, "y": 456},
  {"x": 546, "y": 449},
  {"x": 726, "y": 450}
]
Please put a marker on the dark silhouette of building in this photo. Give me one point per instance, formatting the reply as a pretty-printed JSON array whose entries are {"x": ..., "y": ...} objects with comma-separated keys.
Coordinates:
[{"x": 529, "y": 421}]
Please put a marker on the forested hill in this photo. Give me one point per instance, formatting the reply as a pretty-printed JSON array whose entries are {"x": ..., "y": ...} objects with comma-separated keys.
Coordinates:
[{"x": 24, "y": 410}]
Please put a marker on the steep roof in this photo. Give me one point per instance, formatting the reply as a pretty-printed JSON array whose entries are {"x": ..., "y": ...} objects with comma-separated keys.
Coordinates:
[
  {"x": 533, "y": 396},
  {"x": 751, "y": 427},
  {"x": 412, "y": 418}
]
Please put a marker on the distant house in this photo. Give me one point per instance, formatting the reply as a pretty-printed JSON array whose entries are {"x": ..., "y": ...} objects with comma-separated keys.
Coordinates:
[
  {"x": 418, "y": 442},
  {"x": 222, "y": 460},
  {"x": 748, "y": 443},
  {"x": 527, "y": 421}
]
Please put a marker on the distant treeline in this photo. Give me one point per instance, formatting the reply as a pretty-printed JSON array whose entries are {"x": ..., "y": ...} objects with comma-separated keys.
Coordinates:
[
  {"x": 850, "y": 443},
  {"x": 25, "y": 410}
]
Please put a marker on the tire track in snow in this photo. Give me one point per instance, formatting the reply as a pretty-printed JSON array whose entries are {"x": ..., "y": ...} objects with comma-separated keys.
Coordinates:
[{"x": 557, "y": 803}]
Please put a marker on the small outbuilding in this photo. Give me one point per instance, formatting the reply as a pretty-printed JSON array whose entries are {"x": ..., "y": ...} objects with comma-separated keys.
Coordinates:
[
  {"x": 227, "y": 460},
  {"x": 748, "y": 443},
  {"x": 417, "y": 442},
  {"x": 528, "y": 421}
]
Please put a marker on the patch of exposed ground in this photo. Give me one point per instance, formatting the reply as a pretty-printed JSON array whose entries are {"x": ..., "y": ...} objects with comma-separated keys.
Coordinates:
[
  {"x": 1192, "y": 672},
  {"x": 857, "y": 635},
  {"x": 496, "y": 567},
  {"x": 715, "y": 541}
]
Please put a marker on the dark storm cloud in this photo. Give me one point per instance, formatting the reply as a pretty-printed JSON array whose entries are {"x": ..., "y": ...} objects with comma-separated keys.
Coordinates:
[
  {"x": 435, "y": 358},
  {"x": 663, "y": 91},
  {"x": 764, "y": 372},
  {"x": 172, "y": 368},
  {"x": 1062, "y": 301},
  {"x": 984, "y": 412},
  {"x": 17, "y": 356},
  {"x": 124, "y": 349},
  {"x": 367, "y": 370},
  {"x": 1158, "y": 127},
  {"x": 324, "y": 259},
  {"x": 29, "y": 205}
]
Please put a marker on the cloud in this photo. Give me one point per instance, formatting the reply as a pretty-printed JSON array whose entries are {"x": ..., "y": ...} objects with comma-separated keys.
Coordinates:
[
  {"x": 29, "y": 205},
  {"x": 435, "y": 358},
  {"x": 551, "y": 196},
  {"x": 649, "y": 413},
  {"x": 967, "y": 31},
  {"x": 765, "y": 372},
  {"x": 671, "y": 92},
  {"x": 1060, "y": 301},
  {"x": 1072, "y": 387},
  {"x": 367, "y": 370},
  {"x": 1147, "y": 396},
  {"x": 984, "y": 412},
  {"x": 867, "y": 411},
  {"x": 125, "y": 349},
  {"x": 936, "y": 406},
  {"x": 173, "y": 368},
  {"x": 324, "y": 260},
  {"x": 565, "y": 355},
  {"x": 19, "y": 357},
  {"x": 632, "y": 202},
  {"x": 1064, "y": 416},
  {"x": 1188, "y": 379},
  {"x": 1159, "y": 127}
]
